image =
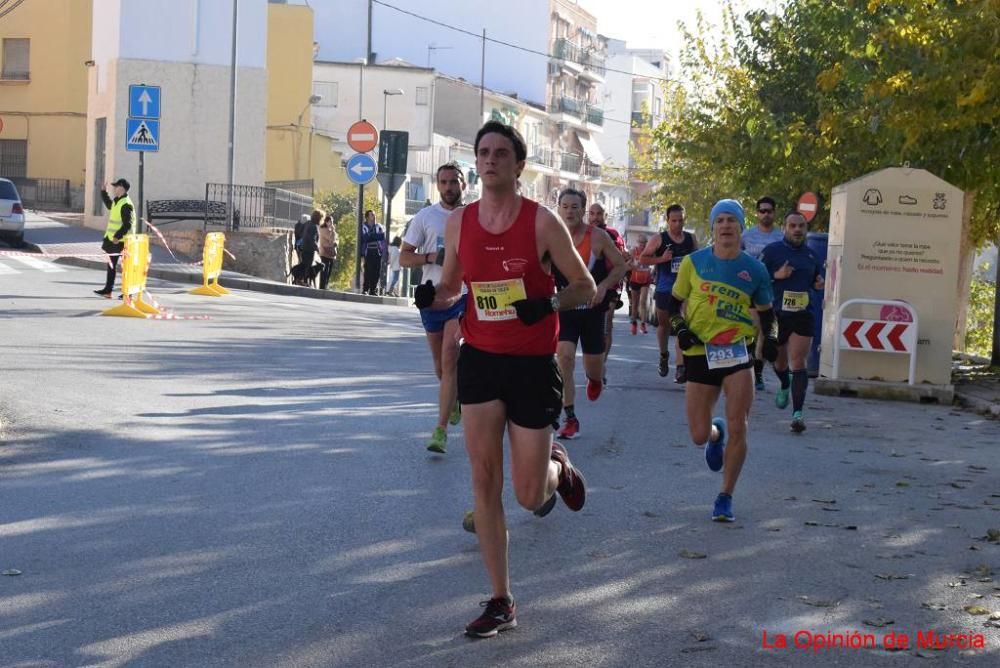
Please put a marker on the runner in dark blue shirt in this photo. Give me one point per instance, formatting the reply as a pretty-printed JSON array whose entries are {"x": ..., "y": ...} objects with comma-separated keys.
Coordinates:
[{"x": 796, "y": 271}]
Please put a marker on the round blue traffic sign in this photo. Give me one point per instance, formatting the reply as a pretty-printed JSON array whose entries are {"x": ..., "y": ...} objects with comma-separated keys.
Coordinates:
[{"x": 361, "y": 168}]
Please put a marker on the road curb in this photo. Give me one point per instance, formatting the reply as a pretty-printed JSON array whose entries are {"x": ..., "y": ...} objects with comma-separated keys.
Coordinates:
[
  {"x": 982, "y": 406},
  {"x": 239, "y": 282}
]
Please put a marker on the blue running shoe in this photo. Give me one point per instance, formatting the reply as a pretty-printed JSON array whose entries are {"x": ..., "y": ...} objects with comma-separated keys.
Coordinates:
[
  {"x": 714, "y": 449},
  {"x": 781, "y": 398},
  {"x": 759, "y": 383},
  {"x": 723, "y": 510}
]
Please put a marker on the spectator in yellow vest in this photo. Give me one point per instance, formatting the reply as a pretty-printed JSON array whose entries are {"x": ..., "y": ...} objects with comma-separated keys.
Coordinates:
[{"x": 119, "y": 224}]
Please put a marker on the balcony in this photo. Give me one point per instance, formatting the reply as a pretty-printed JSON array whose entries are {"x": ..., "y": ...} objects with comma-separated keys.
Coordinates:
[
  {"x": 567, "y": 105},
  {"x": 542, "y": 155},
  {"x": 590, "y": 170},
  {"x": 570, "y": 162},
  {"x": 595, "y": 116},
  {"x": 563, "y": 49},
  {"x": 595, "y": 67}
]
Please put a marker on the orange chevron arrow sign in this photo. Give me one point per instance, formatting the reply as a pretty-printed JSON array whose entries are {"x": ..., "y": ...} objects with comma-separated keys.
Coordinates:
[{"x": 890, "y": 337}]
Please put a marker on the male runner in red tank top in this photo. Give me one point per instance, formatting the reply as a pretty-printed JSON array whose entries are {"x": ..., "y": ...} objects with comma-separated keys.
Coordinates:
[{"x": 503, "y": 248}]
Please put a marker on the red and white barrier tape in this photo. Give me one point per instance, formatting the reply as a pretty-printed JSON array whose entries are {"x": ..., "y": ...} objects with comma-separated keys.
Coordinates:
[{"x": 168, "y": 315}]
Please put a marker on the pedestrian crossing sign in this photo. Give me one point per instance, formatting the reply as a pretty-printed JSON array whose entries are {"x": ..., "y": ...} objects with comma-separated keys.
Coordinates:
[{"x": 142, "y": 134}]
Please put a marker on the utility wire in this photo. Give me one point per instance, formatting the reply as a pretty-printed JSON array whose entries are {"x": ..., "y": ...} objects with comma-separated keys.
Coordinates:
[
  {"x": 508, "y": 44},
  {"x": 7, "y": 11}
]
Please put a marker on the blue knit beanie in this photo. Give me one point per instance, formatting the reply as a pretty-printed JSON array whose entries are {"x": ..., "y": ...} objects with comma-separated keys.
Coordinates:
[{"x": 727, "y": 206}]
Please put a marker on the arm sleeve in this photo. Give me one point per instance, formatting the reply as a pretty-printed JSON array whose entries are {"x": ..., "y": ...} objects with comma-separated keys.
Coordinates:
[
  {"x": 764, "y": 294},
  {"x": 126, "y": 222},
  {"x": 106, "y": 198}
]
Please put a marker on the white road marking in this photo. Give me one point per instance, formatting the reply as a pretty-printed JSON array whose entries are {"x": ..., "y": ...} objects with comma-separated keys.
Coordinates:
[{"x": 34, "y": 263}]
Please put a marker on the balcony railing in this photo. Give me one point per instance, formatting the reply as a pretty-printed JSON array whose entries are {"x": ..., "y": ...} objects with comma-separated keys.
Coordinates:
[
  {"x": 591, "y": 170},
  {"x": 570, "y": 162},
  {"x": 564, "y": 49},
  {"x": 595, "y": 115},
  {"x": 567, "y": 105},
  {"x": 594, "y": 62},
  {"x": 542, "y": 155}
]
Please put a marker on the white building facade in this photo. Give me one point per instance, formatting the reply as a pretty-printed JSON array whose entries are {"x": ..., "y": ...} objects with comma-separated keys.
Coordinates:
[
  {"x": 635, "y": 102},
  {"x": 182, "y": 46}
]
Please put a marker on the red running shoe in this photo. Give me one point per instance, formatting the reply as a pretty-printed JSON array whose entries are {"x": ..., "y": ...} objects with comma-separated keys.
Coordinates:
[
  {"x": 570, "y": 429},
  {"x": 634, "y": 326},
  {"x": 572, "y": 487},
  {"x": 594, "y": 388},
  {"x": 498, "y": 616}
]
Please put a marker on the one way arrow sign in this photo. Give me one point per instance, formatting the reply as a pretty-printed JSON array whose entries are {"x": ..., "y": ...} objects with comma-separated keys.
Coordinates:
[
  {"x": 143, "y": 101},
  {"x": 361, "y": 168}
]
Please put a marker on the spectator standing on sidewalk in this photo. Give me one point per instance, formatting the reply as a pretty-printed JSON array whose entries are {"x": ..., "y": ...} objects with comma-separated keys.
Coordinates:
[
  {"x": 303, "y": 271},
  {"x": 297, "y": 236},
  {"x": 328, "y": 243},
  {"x": 119, "y": 224},
  {"x": 372, "y": 246},
  {"x": 394, "y": 265}
]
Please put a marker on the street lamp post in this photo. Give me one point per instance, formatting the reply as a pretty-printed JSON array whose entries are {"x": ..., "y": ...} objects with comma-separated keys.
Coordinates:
[
  {"x": 386, "y": 94},
  {"x": 313, "y": 99}
]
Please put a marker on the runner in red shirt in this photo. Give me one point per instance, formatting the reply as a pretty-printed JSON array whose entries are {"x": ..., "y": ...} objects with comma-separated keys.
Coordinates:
[
  {"x": 597, "y": 218},
  {"x": 638, "y": 286},
  {"x": 503, "y": 248}
]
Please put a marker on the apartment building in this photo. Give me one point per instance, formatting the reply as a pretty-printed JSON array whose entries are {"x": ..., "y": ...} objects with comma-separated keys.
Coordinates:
[
  {"x": 635, "y": 105},
  {"x": 557, "y": 98},
  {"x": 44, "y": 52}
]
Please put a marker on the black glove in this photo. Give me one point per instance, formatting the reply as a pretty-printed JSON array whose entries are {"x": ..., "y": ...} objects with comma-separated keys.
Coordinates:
[
  {"x": 531, "y": 311},
  {"x": 423, "y": 296},
  {"x": 685, "y": 337},
  {"x": 770, "y": 349}
]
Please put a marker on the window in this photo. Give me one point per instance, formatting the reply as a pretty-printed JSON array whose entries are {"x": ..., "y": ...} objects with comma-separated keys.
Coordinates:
[
  {"x": 15, "y": 58},
  {"x": 422, "y": 97},
  {"x": 328, "y": 90},
  {"x": 14, "y": 158}
]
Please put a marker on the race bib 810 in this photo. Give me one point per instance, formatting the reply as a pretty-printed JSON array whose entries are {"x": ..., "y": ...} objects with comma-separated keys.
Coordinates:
[{"x": 493, "y": 299}]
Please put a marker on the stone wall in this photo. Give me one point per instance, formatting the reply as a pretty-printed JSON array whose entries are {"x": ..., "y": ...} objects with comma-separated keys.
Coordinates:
[{"x": 263, "y": 254}]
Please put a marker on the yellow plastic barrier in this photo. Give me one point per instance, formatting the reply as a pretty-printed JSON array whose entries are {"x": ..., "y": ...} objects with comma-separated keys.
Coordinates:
[
  {"x": 212, "y": 266},
  {"x": 135, "y": 265}
]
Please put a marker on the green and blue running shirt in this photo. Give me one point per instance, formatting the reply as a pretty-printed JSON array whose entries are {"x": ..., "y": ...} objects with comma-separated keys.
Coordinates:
[{"x": 719, "y": 294}]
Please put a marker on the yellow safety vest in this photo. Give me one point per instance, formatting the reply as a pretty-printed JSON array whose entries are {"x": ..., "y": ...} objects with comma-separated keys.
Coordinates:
[{"x": 115, "y": 218}]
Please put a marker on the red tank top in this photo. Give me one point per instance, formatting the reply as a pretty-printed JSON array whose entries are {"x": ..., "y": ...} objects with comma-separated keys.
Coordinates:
[{"x": 500, "y": 269}]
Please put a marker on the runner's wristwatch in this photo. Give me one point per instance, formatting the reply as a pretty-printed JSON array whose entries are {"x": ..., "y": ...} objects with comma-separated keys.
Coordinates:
[{"x": 554, "y": 302}]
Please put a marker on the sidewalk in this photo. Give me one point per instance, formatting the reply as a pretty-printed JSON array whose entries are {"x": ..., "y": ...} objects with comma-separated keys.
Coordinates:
[
  {"x": 50, "y": 237},
  {"x": 977, "y": 385}
]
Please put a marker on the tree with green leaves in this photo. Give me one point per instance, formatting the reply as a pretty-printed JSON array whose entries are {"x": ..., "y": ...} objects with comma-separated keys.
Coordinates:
[
  {"x": 826, "y": 90},
  {"x": 343, "y": 208}
]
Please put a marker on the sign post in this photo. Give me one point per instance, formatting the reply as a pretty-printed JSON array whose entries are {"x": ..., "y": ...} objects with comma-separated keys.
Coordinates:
[
  {"x": 392, "y": 150},
  {"x": 362, "y": 136},
  {"x": 142, "y": 131}
]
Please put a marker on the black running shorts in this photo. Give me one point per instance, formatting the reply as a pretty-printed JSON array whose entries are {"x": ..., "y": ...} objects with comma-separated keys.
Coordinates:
[
  {"x": 797, "y": 322},
  {"x": 662, "y": 300},
  {"x": 698, "y": 371},
  {"x": 530, "y": 386},
  {"x": 585, "y": 326}
]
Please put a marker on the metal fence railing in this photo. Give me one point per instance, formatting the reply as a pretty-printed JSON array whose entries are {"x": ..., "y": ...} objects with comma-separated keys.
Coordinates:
[
  {"x": 42, "y": 193},
  {"x": 300, "y": 186},
  {"x": 259, "y": 207}
]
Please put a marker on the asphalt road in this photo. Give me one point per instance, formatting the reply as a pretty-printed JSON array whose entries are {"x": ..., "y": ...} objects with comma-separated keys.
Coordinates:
[{"x": 252, "y": 489}]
